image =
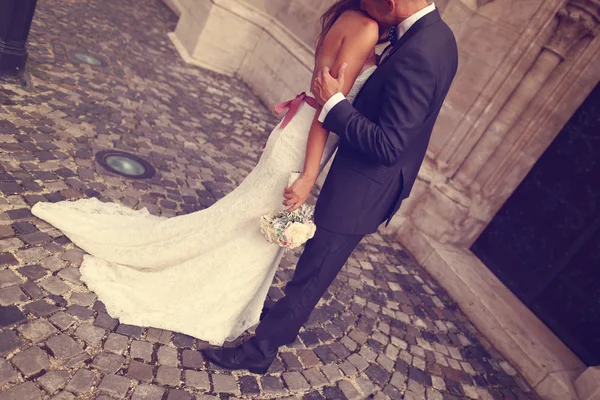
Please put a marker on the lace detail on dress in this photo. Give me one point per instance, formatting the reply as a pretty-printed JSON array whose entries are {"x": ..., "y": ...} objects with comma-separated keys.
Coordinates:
[{"x": 204, "y": 274}]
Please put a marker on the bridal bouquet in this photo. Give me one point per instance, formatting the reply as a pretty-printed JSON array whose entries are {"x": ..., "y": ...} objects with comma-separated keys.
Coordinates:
[{"x": 289, "y": 230}]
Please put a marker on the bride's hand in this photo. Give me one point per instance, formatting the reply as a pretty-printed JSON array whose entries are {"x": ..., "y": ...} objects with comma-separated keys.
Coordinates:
[{"x": 298, "y": 193}]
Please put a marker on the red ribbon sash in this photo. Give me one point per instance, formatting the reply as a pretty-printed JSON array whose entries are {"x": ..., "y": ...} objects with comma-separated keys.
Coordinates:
[{"x": 293, "y": 106}]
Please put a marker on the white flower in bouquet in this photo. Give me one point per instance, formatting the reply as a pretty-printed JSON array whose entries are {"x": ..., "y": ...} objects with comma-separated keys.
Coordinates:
[
  {"x": 298, "y": 233},
  {"x": 289, "y": 230}
]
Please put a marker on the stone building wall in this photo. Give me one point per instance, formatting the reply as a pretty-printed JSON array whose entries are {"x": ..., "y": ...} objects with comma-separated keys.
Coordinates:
[{"x": 300, "y": 17}]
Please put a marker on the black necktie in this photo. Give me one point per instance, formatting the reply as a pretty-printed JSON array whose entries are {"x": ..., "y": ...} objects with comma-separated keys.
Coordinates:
[
  {"x": 393, "y": 35},
  {"x": 393, "y": 39}
]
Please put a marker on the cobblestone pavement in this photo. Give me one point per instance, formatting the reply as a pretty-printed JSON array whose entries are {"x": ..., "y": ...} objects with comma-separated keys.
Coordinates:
[{"x": 384, "y": 330}]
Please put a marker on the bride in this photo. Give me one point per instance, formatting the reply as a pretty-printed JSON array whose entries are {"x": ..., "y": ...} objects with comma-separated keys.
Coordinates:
[{"x": 207, "y": 274}]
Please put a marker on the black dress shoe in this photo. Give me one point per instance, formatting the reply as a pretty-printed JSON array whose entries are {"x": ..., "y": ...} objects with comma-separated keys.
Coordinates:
[
  {"x": 264, "y": 312},
  {"x": 236, "y": 358}
]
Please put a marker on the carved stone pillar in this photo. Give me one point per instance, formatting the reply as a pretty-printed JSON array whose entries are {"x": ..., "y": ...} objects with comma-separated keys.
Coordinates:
[
  {"x": 575, "y": 21},
  {"x": 453, "y": 209}
]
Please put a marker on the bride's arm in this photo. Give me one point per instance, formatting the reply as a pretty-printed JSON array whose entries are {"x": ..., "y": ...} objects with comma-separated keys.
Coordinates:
[{"x": 353, "y": 37}]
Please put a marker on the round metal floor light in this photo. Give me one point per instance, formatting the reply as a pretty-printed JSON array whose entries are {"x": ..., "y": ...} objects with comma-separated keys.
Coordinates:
[
  {"x": 125, "y": 164},
  {"x": 88, "y": 59}
]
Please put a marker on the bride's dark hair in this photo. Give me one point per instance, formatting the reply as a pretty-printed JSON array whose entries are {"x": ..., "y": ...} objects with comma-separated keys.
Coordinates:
[{"x": 332, "y": 14}]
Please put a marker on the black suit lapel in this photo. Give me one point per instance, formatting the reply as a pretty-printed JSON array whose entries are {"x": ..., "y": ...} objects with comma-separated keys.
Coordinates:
[{"x": 426, "y": 20}]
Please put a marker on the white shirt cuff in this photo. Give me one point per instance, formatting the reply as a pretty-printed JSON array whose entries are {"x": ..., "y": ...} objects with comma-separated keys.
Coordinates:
[{"x": 332, "y": 102}]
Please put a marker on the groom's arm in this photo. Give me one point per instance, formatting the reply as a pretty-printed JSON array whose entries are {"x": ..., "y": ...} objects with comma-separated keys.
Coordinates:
[{"x": 406, "y": 103}]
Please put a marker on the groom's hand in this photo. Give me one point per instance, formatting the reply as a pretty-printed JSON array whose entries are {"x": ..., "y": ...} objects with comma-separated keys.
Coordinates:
[{"x": 325, "y": 86}]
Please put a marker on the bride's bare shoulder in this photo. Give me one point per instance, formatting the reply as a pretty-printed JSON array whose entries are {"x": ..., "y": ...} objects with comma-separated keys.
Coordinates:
[{"x": 353, "y": 21}]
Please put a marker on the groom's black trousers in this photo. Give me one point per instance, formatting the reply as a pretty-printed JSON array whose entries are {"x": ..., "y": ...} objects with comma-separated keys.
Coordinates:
[{"x": 323, "y": 257}]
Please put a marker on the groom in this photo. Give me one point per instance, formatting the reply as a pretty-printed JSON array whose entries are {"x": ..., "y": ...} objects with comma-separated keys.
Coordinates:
[{"x": 384, "y": 137}]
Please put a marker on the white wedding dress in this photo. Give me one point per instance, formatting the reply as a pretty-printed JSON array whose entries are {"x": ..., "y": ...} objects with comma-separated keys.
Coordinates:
[{"x": 204, "y": 274}]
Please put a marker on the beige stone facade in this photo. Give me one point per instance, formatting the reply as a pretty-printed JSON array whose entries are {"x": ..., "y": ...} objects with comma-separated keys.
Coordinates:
[{"x": 525, "y": 67}]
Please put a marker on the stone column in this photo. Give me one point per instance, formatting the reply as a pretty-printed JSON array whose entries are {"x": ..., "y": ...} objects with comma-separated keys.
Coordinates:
[
  {"x": 575, "y": 21},
  {"x": 15, "y": 20},
  {"x": 452, "y": 207}
]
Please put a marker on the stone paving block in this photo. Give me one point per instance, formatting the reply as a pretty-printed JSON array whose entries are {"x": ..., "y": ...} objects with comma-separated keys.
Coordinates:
[
  {"x": 11, "y": 244},
  {"x": 7, "y": 259},
  {"x": 332, "y": 372},
  {"x": 130, "y": 330},
  {"x": 62, "y": 320},
  {"x": 82, "y": 382},
  {"x": 169, "y": 376},
  {"x": 83, "y": 299},
  {"x": 332, "y": 392},
  {"x": 419, "y": 376},
  {"x": 183, "y": 341},
  {"x": 433, "y": 394},
  {"x": 9, "y": 341},
  {"x": 7, "y": 373},
  {"x": 315, "y": 377},
  {"x": 105, "y": 321},
  {"x": 108, "y": 362},
  {"x": 192, "y": 359},
  {"x": 295, "y": 381},
  {"x": 11, "y": 296},
  {"x": 438, "y": 383},
  {"x": 53, "y": 263},
  {"x": 37, "y": 330},
  {"x": 33, "y": 272},
  {"x": 54, "y": 285},
  {"x": 41, "y": 308},
  {"x": 74, "y": 256},
  {"x": 416, "y": 388},
  {"x": 148, "y": 392},
  {"x": 63, "y": 347},
  {"x": 365, "y": 386},
  {"x": 53, "y": 381},
  {"x": 31, "y": 361},
  {"x": 272, "y": 385},
  {"x": 350, "y": 392},
  {"x": 377, "y": 374},
  {"x": 9, "y": 278},
  {"x": 308, "y": 358},
  {"x": 225, "y": 384},
  {"x": 90, "y": 334},
  {"x": 83, "y": 313},
  {"x": 248, "y": 385},
  {"x": 392, "y": 392},
  {"x": 291, "y": 362},
  {"x": 141, "y": 350},
  {"x": 114, "y": 385},
  {"x": 358, "y": 361},
  {"x": 32, "y": 255},
  {"x": 197, "y": 379},
  {"x": 32, "y": 290},
  {"x": 116, "y": 343},
  {"x": 63, "y": 396},
  {"x": 140, "y": 371},
  {"x": 70, "y": 274},
  {"x": 24, "y": 391},
  {"x": 167, "y": 356},
  {"x": 347, "y": 368},
  {"x": 177, "y": 394}
]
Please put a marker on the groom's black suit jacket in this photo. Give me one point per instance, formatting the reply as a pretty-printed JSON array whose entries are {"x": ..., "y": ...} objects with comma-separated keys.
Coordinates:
[{"x": 384, "y": 135}]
